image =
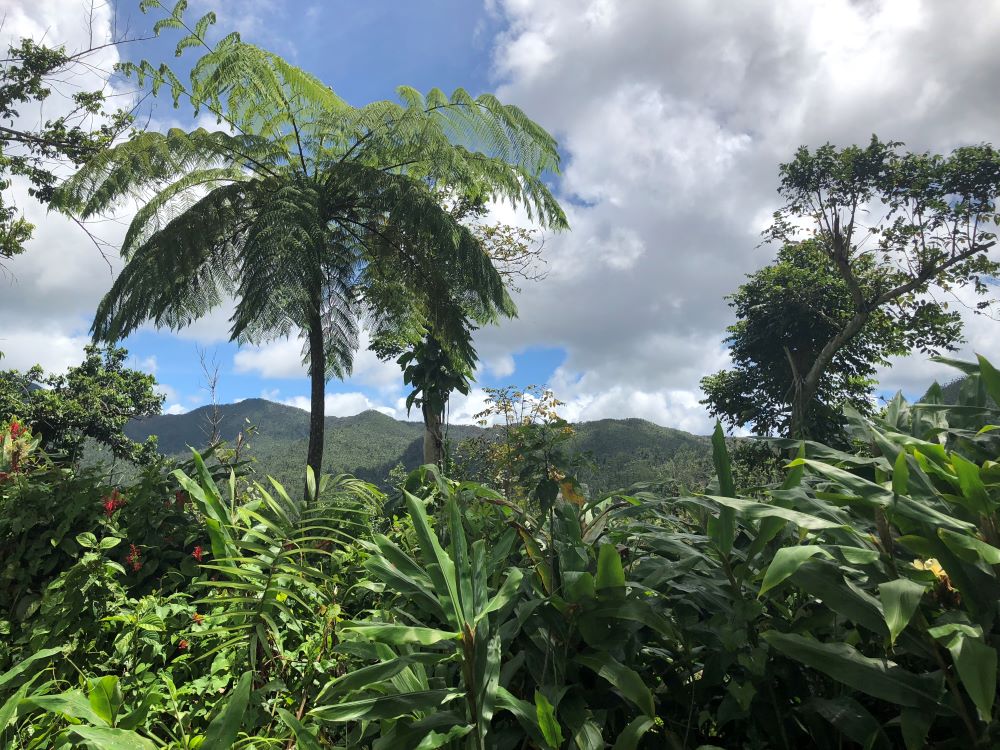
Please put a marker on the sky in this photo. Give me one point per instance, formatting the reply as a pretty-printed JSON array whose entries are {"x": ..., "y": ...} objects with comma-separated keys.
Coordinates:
[{"x": 672, "y": 119}]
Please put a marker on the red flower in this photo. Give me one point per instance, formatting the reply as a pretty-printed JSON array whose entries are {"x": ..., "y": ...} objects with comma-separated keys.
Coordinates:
[
  {"x": 197, "y": 553},
  {"x": 183, "y": 645},
  {"x": 16, "y": 428},
  {"x": 181, "y": 497},
  {"x": 113, "y": 502},
  {"x": 134, "y": 558}
]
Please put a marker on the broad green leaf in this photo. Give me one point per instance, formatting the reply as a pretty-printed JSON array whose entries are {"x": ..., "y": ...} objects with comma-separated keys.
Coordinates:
[
  {"x": 626, "y": 680},
  {"x": 901, "y": 475},
  {"x": 387, "y": 706},
  {"x": 976, "y": 664},
  {"x": 400, "y": 634},
  {"x": 630, "y": 736},
  {"x": 914, "y": 723},
  {"x": 523, "y": 711},
  {"x": 440, "y": 567},
  {"x": 507, "y": 592},
  {"x": 849, "y": 717},
  {"x": 9, "y": 708},
  {"x": 105, "y": 738},
  {"x": 304, "y": 739},
  {"x": 990, "y": 377},
  {"x": 754, "y": 511},
  {"x": 969, "y": 547},
  {"x": 105, "y": 698},
  {"x": 20, "y": 668},
  {"x": 86, "y": 540},
  {"x": 225, "y": 727},
  {"x": 722, "y": 530},
  {"x": 971, "y": 484},
  {"x": 900, "y": 599},
  {"x": 610, "y": 574},
  {"x": 878, "y": 678},
  {"x": 547, "y": 721},
  {"x": 786, "y": 561},
  {"x": 71, "y": 703},
  {"x": 376, "y": 673}
]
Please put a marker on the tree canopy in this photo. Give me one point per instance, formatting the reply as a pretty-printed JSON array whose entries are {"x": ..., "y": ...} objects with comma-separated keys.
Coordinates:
[
  {"x": 901, "y": 230},
  {"x": 305, "y": 209}
]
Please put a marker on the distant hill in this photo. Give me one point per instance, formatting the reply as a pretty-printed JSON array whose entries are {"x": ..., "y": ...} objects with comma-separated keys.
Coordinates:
[{"x": 370, "y": 444}]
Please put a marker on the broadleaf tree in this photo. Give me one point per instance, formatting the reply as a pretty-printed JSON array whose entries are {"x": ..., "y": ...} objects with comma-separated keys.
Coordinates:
[
  {"x": 902, "y": 230},
  {"x": 786, "y": 313},
  {"x": 302, "y": 205}
]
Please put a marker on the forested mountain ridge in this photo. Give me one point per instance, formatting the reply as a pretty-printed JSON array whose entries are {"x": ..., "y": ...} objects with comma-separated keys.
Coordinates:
[{"x": 371, "y": 443}]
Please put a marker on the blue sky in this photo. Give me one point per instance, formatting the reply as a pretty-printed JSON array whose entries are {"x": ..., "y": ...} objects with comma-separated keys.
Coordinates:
[
  {"x": 672, "y": 118},
  {"x": 363, "y": 51}
]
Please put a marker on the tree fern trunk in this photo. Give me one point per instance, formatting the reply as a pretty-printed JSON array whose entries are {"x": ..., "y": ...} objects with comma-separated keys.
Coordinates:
[
  {"x": 317, "y": 377},
  {"x": 433, "y": 436}
]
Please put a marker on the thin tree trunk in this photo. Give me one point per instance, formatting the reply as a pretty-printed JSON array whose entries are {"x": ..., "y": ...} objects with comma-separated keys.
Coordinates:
[
  {"x": 433, "y": 437},
  {"x": 807, "y": 387},
  {"x": 317, "y": 378}
]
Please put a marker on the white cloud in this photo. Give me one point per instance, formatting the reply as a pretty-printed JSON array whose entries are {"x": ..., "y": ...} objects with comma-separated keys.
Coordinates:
[
  {"x": 282, "y": 358},
  {"x": 175, "y": 409},
  {"x": 343, "y": 404},
  {"x": 673, "y": 119}
]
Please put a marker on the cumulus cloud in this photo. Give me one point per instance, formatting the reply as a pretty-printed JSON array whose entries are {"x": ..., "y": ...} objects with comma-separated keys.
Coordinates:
[
  {"x": 673, "y": 119},
  {"x": 343, "y": 404}
]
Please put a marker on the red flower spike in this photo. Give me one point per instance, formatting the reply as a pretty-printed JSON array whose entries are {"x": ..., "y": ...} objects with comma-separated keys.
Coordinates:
[
  {"x": 197, "y": 553},
  {"x": 183, "y": 645},
  {"x": 16, "y": 429},
  {"x": 134, "y": 558}
]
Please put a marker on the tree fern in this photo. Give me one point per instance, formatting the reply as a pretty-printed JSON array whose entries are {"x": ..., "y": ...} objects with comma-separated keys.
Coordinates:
[
  {"x": 273, "y": 560},
  {"x": 304, "y": 207}
]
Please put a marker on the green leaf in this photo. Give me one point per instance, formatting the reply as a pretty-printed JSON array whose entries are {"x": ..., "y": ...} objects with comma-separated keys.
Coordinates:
[
  {"x": 109, "y": 542},
  {"x": 990, "y": 377},
  {"x": 630, "y": 736},
  {"x": 105, "y": 698},
  {"x": 626, "y": 680},
  {"x": 976, "y": 664},
  {"x": 900, "y": 599},
  {"x": 722, "y": 530},
  {"x": 71, "y": 703},
  {"x": 969, "y": 547},
  {"x": 879, "y": 678},
  {"x": 304, "y": 739},
  {"x": 786, "y": 561},
  {"x": 610, "y": 574},
  {"x": 399, "y": 634},
  {"x": 508, "y": 590},
  {"x": 86, "y": 540},
  {"x": 547, "y": 721},
  {"x": 9, "y": 708},
  {"x": 849, "y": 717},
  {"x": 18, "y": 669},
  {"x": 105, "y": 738},
  {"x": 914, "y": 723},
  {"x": 386, "y": 707},
  {"x": 753, "y": 511},
  {"x": 225, "y": 727},
  {"x": 901, "y": 475}
]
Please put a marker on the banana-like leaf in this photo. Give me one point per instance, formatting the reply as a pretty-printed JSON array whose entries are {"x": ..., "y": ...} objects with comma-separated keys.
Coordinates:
[
  {"x": 976, "y": 664},
  {"x": 786, "y": 561},
  {"x": 225, "y": 727},
  {"x": 900, "y": 599},
  {"x": 106, "y": 738},
  {"x": 387, "y": 706},
  {"x": 630, "y": 736},
  {"x": 875, "y": 677},
  {"x": 624, "y": 679},
  {"x": 400, "y": 634}
]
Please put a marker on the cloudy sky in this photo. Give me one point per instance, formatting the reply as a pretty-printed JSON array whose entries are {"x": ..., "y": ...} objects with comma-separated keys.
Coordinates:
[{"x": 672, "y": 118}]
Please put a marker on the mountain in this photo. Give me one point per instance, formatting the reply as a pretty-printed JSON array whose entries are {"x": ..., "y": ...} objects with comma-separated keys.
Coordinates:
[{"x": 368, "y": 445}]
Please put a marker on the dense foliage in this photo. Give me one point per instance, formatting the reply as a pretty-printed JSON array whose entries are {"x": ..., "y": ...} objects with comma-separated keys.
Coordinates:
[
  {"x": 899, "y": 229},
  {"x": 786, "y": 313},
  {"x": 852, "y": 604},
  {"x": 92, "y": 403}
]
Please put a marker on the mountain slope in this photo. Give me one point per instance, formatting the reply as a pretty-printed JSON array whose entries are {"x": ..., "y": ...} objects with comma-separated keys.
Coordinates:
[{"x": 370, "y": 444}]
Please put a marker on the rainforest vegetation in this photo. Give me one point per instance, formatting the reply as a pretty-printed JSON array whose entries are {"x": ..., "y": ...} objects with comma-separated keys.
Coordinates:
[{"x": 831, "y": 582}]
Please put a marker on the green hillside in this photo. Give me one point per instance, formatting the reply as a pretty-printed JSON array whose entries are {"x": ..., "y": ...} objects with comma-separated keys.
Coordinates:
[{"x": 370, "y": 444}]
